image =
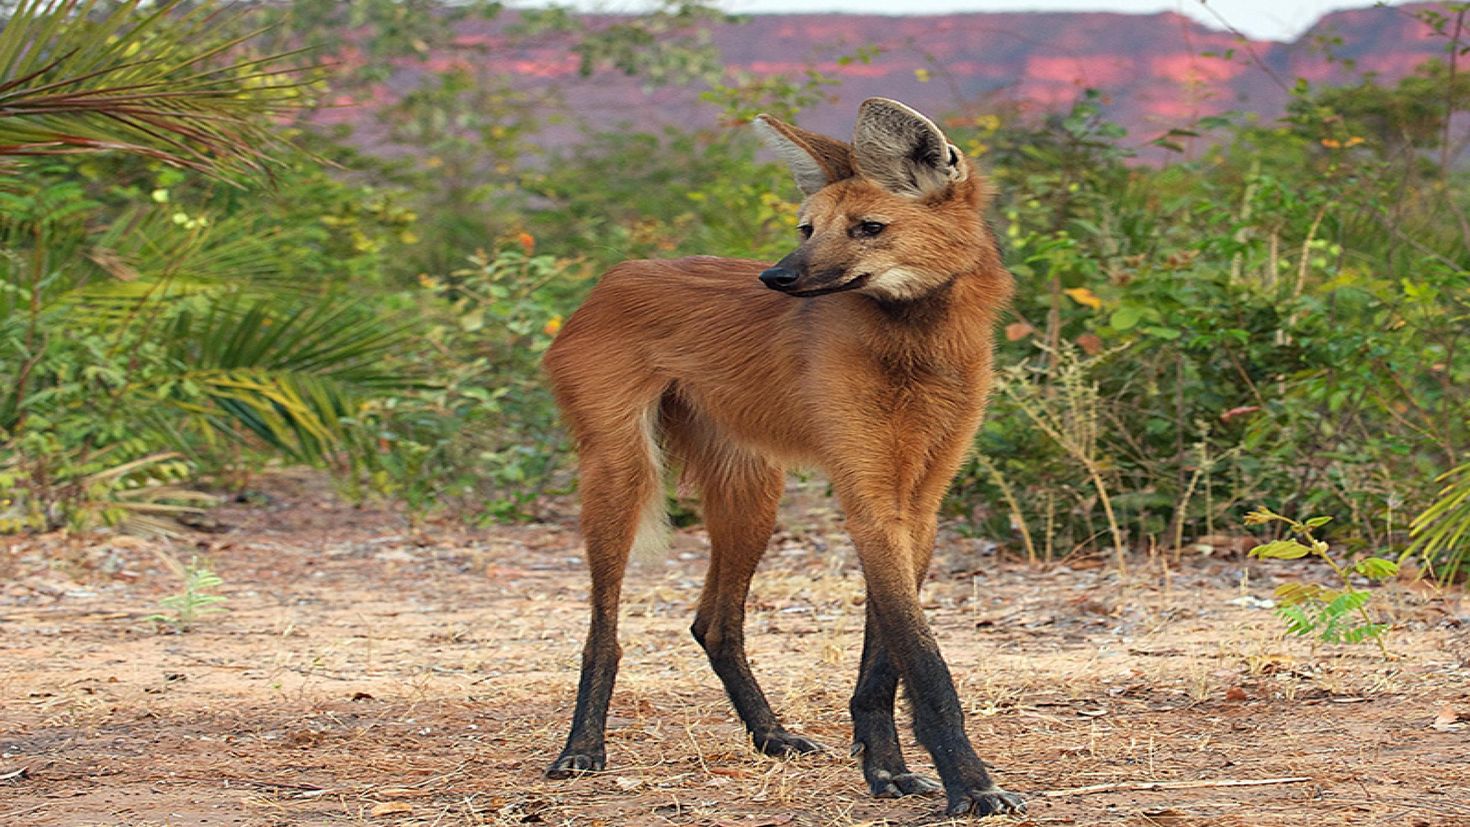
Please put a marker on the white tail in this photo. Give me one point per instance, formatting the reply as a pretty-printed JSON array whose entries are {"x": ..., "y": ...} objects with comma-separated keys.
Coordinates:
[{"x": 652, "y": 538}]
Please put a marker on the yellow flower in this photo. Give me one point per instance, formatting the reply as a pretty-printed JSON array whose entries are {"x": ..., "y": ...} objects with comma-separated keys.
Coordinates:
[
  {"x": 1084, "y": 296},
  {"x": 552, "y": 325}
]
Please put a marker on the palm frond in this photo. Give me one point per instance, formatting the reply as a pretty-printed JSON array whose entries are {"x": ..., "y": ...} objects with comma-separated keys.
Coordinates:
[
  {"x": 1442, "y": 531},
  {"x": 147, "y": 256},
  {"x": 154, "y": 79},
  {"x": 154, "y": 254},
  {"x": 293, "y": 379}
]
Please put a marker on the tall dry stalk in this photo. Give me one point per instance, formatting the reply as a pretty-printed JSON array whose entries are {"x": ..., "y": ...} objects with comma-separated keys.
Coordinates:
[{"x": 1068, "y": 415}]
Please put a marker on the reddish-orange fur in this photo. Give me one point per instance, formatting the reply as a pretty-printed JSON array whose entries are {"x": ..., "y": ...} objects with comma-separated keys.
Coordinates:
[{"x": 882, "y": 387}]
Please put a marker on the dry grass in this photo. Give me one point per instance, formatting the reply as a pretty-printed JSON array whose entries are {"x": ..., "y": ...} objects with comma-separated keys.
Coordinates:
[{"x": 367, "y": 675}]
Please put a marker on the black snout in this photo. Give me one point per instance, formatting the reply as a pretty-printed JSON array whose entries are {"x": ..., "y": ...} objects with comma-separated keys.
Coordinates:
[{"x": 779, "y": 278}]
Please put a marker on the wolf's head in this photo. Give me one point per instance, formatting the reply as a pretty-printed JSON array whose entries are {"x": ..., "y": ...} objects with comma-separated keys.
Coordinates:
[{"x": 896, "y": 214}]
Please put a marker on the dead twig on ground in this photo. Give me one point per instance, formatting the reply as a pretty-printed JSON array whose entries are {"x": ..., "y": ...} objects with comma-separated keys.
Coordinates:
[
  {"x": 1174, "y": 785},
  {"x": 9, "y": 818}
]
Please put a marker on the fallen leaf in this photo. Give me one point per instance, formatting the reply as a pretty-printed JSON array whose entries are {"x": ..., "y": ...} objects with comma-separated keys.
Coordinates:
[
  {"x": 625, "y": 784},
  {"x": 1016, "y": 331},
  {"x": 1240, "y": 411},
  {"x": 1090, "y": 606},
  {"x": 1165, "y": 818},
  {"x": 1448, "y": 720},
  {"x": 1235, "y": 544},
  {"x": 1090, "y": 343},
  {"x": 389, "y": 808},
  {"x": 1235, "y": 693}
]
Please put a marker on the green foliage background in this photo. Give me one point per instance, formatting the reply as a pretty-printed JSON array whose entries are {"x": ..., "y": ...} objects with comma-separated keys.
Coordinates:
[{"x": 1276, "y": 317}]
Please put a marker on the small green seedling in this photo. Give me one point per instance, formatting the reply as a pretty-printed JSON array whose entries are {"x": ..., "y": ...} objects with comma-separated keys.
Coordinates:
[
  {"x": 1330, "y": 615},
  {"x": 195, "y": 601}
]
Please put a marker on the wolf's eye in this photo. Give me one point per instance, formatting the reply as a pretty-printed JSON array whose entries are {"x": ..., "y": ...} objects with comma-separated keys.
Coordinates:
[
  {"x": 805, "y": 230},
  {"x": 868, "y": 229}
]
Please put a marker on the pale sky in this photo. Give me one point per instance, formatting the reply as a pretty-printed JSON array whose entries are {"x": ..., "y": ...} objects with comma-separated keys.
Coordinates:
[{"x": 1260, "y": 19}]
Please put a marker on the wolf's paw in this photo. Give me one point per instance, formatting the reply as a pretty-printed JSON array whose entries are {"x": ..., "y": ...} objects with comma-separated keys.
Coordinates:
[
  {"x": 989, "y": 801},
  {"x": 573, "y": 763},
  {"x": 783, "y": 744},
  {"x": 885, "y": 784}
]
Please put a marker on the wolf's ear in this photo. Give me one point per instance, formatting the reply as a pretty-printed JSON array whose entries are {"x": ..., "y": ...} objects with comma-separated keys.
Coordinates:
[
  {"x": 903, "y": 151},
  {"x": 815, "y": 160}
]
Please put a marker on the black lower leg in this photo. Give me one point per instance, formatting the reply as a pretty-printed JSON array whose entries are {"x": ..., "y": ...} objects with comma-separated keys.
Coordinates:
[
  {"x": 874, "y": 733},
  {"x": 741, "y": 493},
  {"x": 724, "y": 643},
  {"x": 585, "y": 750},
  {"x": 939, "y": 720}
]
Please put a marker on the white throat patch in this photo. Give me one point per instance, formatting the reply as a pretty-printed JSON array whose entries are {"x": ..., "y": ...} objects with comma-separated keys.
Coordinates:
[{"x": 899, "y": 283}]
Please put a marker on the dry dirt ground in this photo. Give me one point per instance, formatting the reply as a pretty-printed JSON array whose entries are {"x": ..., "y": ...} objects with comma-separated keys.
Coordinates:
[{"x": 367, "y": 673}]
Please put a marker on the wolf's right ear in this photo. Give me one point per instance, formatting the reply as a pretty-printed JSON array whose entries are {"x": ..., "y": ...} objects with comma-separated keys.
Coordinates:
[
  {"x": 903, "y": 151},
  {"x": 815, "y": 160}
]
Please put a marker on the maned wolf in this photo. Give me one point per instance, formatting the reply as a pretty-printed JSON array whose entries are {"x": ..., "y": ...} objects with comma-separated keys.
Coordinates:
[{"x": 865, "y": 352}]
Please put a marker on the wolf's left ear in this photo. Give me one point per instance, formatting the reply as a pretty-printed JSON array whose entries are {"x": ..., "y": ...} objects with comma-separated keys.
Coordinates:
[
  {"x": 815, "y": 160},
  {"x": 903, "y": 151}
]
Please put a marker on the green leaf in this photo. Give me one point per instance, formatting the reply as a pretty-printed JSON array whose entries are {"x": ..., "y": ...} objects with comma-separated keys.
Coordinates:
[
  {"x": 1166, "y": 333},
  {"x": 1349, "y": 601},
  {"x": 1376, "y": 568},
  {"x": 1125, "y": 317},
  {"x": 1297, "y": 621},
  {"x": 1364, "y": 631},
  {"x": 1280, "y": 550},
  {"x": 1296, "y": 594}
]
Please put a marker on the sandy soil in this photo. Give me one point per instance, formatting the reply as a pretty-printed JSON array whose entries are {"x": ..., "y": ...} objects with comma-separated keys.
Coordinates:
[{"x": 368, "y": 673}]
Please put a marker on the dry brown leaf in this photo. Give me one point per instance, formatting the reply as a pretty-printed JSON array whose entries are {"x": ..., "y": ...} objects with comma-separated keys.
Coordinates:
[
  {"x": 1448, "y": 720},
  {"x": 389, "y": 808},
  {"x": 769, "y": 821},
  {"x": 1164, "y": 818},
  {"x": 1240, "y": 411},
  {"x": 1016, "y": 331},
  {"x": 1090, "y": 343},
  {"x": 1235, "y": 544}
]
